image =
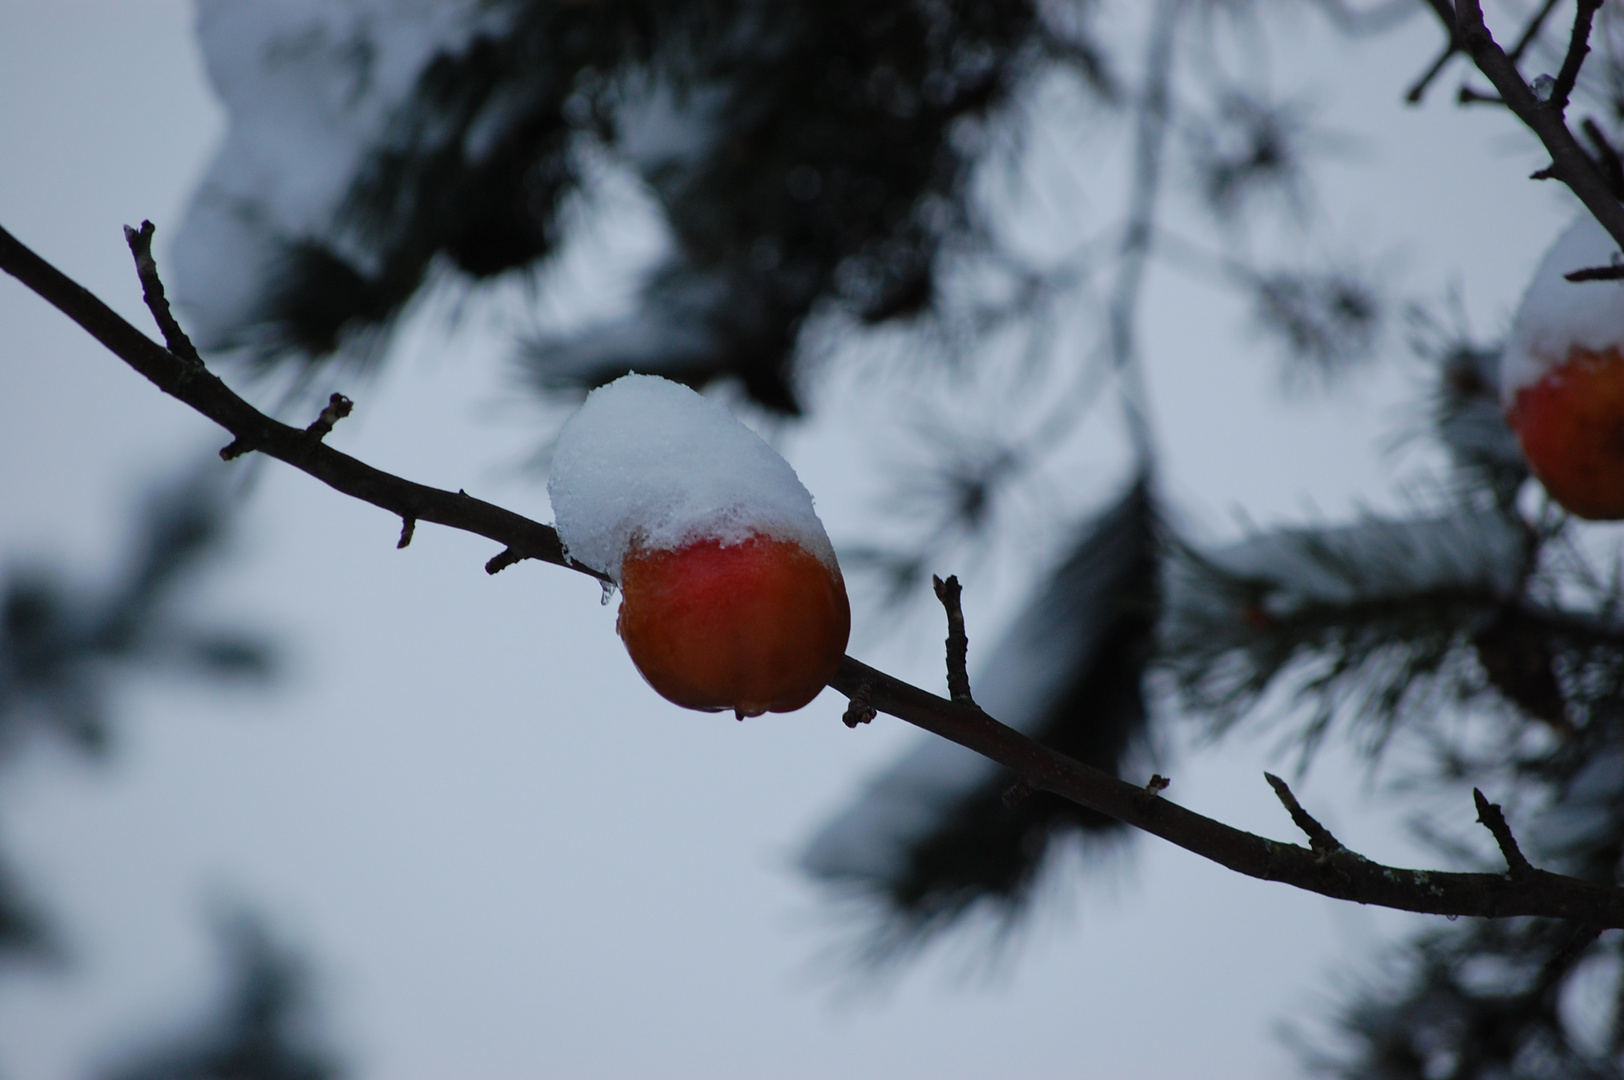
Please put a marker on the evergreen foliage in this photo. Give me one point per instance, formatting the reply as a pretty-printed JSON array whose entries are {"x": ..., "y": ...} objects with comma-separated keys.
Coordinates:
[{"x": 804, "y": 154}]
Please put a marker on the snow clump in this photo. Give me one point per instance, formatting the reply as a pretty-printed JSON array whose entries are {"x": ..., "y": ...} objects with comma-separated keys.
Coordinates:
[
  {"x": 647, "y": 461},
  {"x": 1557, "y": 315},
  {"x": 309, "y": 87}
]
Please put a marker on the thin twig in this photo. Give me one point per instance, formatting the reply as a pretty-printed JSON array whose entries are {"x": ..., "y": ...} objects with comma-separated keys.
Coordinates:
[
  {"x": 1341, "y": 875},
  {"x": 1446, "y": 16},
  {"x": 408, "y": 526},
  {"x": 1138, "y": 233},
  {"x": 152, "y": 291},
  {"x": 958, "y": 645},
  {"x": 1578, "y": 47},
  {"x": 1319, "y": 837},
  {"x": 1569, "y": 161},
  {"x": 1531, "y": 30},
  {"x": 1494, "y": 820},
  {"x": 1418, "y": 89},
  {"x": 1596, "y": 273},
  {"x": 1468, "y": 95}
]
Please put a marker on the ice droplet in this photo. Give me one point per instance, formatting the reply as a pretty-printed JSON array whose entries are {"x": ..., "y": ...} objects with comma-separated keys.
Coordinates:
[
  {"x": 608, "y": 592},
  {"x": 1543, "y": 86}
]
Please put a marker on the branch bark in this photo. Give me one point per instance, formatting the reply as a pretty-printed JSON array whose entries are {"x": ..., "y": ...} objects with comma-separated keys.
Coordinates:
[
  {"x": 252, "y": 430},
  {"x": 1338, "y": 873},
  {"x": 1569, "y": 161}
]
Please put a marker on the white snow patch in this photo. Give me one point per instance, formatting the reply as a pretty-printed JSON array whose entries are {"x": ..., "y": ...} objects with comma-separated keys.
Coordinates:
[
  {"x": 309, "y": 86},
  {"x": 647, "y": 460},
  {"x": 1556, "y": 315}
]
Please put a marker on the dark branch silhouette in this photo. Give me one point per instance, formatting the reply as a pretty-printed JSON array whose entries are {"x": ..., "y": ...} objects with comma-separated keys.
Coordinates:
[
  {"x": 1578, "y": 48},
  {"x": 1596, "y": 273},
  {"x": 1570, "y": 163},
  {"x": 253, "y": 430},
  {"x": 1493, "y": 819},
  {"x": 1336, "y": 871},
  {"x": 958, "y": 644},
  {"x": 1319, "y": 837}
]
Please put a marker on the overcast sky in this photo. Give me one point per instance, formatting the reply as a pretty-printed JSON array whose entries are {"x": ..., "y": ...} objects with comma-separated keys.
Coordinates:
[{"x": 501, "y": 853}]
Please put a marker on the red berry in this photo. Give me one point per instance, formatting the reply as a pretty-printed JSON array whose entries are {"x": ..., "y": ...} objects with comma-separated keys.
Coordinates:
[
  {"x": 1571, "y": 426},
  {"x": 755, "y": 626}
]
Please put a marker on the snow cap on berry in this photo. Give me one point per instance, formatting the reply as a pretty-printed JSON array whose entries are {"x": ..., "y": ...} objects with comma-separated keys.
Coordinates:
[
  {"x": 647, "y": 461},
  {"x": 1557, "y": 315}
]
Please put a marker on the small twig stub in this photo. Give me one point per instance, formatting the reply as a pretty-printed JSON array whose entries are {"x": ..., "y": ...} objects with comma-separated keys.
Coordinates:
[
  {"x": 1319, "y": 837},
  {"x": 152, "y": 292},
  {"x": 1493, "y": 819},
  {"x": 506, "y": 558},
  {"x": 338, "y": 407},
  {"x": 859, "y": 710},
  {"x": 958, "y": 644}
]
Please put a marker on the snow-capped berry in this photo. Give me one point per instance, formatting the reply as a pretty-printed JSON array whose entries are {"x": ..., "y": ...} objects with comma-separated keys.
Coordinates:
[
  {"x": 731, "y": 594},
  {"x": 1562, "y": 376},
  {"x": 648, "y": 459}
]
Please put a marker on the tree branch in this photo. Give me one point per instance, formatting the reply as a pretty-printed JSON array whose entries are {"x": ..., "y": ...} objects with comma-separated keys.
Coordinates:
[
  {"x": 1418, "y": 89},
  {"x": 1340, "y": 873},
  {"x": 252, "y": 430},
  {"x": 1569, "y": 161}
]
